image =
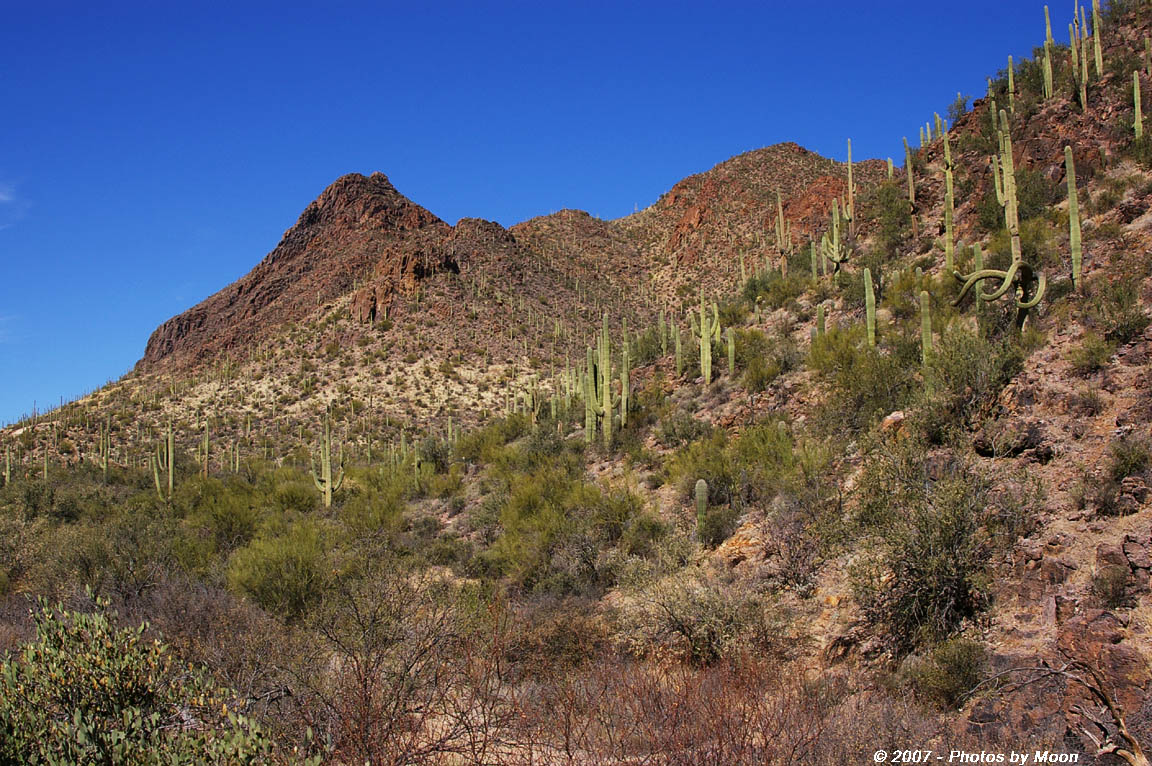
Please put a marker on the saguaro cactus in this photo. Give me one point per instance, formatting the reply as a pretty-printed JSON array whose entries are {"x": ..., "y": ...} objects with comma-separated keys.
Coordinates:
[
  {"x": 949, "y": 205},
  {"x": 1073, "y": 218},
  {"x": 910, "y": 171},
  {"x": 707, "y": 330},
  {"x": 164, "y": 460},
  {"x": 701, "y": 505},
  {"x": 105, "y": 448},
  {"x": 679, "y": 351},
  {"x": 925, "y": 327},
  {"x": 850, "y": 208},
  {"x": 1049, "y": 44},
  {"x": 1004, "y": 179},
  {"x": 1138, "y": 117},
  {"x": 204, "y": 447},
  {"x": 731, "y": 351},
  {"x": 832, "y": 246},
  {"x": 1096, "y": 38},
  {"x": 1011, "y": 86},
  {"x": 598, "y": 400},
  {"x": 870, "y": 306},
  {"x": 324, "y": 480},
  {"x": 624, "y": 383}
]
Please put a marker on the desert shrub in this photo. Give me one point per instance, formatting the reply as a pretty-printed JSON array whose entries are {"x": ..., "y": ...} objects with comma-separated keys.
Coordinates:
[
  {"x": 864, "y": 382},
  {"x": 1128, "y": 456},
  {"x": 951, "y": 670},
  {"x": 396, "y": 671},
  {"x": 486, "y": 444},
  {"x": 1034, "y": 194},
  {"x": 376, "y": 513},
  {"x": 770, "y": 288},
  {"x": 228, "y": 511},
  {"x": 719, "y": 524},
  {"x": 965, "y": 372},
  {"x": 648, "y": 347},
  {"x": 86, "y": 691},
  {"x": 1140, "y": 150},
  {"x": 1091, "y": 355},
  {"x": 296, "y": 495},
  {"x": 1116, "y": 310},
  {"x": 1110, "y": 586},
  {"x": 739, "y": 471},
  {"x": 694, "y": 616},
  {"x": 888, "y": 207},
  {"x": 282, "y": 572},
  {"x": 680, "y": 427},
  {"x": 924, "y": 571},
  {"x": 553, "y": 529}
]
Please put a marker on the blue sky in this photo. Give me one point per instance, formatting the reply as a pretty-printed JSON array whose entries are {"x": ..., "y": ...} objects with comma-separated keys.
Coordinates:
[{"x": 151, "y": 153}]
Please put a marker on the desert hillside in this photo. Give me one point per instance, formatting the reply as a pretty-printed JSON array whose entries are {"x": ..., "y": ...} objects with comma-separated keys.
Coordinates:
[{"x": 806, "y": 460}]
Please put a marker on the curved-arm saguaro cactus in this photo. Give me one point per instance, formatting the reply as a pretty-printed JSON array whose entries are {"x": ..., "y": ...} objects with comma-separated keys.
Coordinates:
[{"x": 1029, "y": 287}]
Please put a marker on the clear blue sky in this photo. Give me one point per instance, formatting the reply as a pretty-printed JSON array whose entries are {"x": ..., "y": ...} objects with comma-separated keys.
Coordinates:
[{"x": 151, "y": 153}]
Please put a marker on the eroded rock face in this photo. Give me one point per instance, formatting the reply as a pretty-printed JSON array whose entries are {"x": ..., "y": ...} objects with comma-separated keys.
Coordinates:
[{"x": 359, "y": 227}]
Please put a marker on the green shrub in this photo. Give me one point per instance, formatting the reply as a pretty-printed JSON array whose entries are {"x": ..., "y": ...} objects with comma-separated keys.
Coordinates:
[
  {"x": 285, "y": 572},
  {"x": 965, "y": 373},
  {"x": 1110, "y": 586},
  {"x": 925, "y": 570},
  {"x": 1115, "y": 307},
  {"x": 694, "y": 616},
  {"x": 888, "y": 207},
  {"x": 719, "y": 524},
  {"x": 680, "y": 427},
  {"x": 770, "y": 288},
  {"x": 1091, "y": 355},
  {"x": 952, "y": 669},
  {"x": 864, "y": 383},
  {"x": 1128, "y": 456},
  {"x": 85, "y": 691}
]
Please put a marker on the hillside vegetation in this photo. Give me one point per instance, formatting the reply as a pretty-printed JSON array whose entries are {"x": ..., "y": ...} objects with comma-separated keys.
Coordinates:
[{"x": 805, "y": 461}]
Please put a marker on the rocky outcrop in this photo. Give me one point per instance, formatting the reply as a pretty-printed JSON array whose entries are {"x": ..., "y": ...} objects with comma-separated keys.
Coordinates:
[{"x": 359, "y": 226}]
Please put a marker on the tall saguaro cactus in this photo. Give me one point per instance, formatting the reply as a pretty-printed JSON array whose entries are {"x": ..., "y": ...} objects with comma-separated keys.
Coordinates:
[
  {"x": 850, "y": 208},
  {"x": 910, "y": 171},
  {"x": 1073, "y": 218},
  {"x": 731, "y": 338},
  {"x": 1004, "y": 178},
  {"x": 324, "y": 480},
  {"x": 165, "y": 460},
  {"x": 1138, "y": 117},
  {"x": 1049, "y": 44},
  {"x": 105, "y": 448},
  {"x": 707, "y": 330},
  {"x": 1096, "y": 38},
  {"x": 701, "y": 491},
  {"x": 1028, "y": 286},
  {"x": 870, "y": 306},
  {"x": 949, "y": 205},
  {"x": 925, "y": 327},
  {"x": 598, "y": 400},
  {"x": 1011, "y": 85}
]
